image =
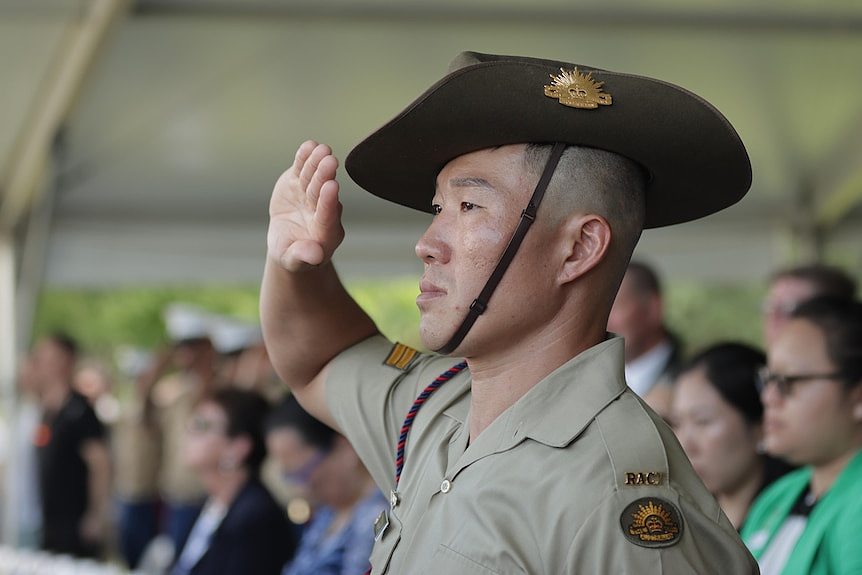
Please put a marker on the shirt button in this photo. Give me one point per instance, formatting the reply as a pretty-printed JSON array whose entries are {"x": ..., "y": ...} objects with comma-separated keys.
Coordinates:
[{"x": 445, "y": 486}]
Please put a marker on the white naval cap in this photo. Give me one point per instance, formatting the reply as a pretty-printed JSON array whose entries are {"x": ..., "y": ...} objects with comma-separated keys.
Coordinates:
[
  {"x": 186, "y": 322},
  {"x": 231, "y": 335}
]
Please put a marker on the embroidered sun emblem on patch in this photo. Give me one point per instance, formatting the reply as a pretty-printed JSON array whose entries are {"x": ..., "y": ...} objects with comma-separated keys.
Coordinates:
[
  {"x": 651, "y": 522},
  {"x": 577, "y": 90}
]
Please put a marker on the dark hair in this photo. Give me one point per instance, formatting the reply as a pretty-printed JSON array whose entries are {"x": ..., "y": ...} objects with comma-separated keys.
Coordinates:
[
  {"x": 65, "y": 342},
  {"x": 840, "y": 320},
  {"x": 827, "y": 280},
  {"x": 644, "y": 279},
  {"x": 288, "y": 413},
  {"x": 731, "y": 368},
  {"x": 245, "y": 411}
]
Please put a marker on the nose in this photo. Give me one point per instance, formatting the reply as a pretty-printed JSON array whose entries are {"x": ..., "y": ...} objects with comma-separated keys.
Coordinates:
[
  {"x": 769, "y": 394},
  {"x": 431, "y": 246}
]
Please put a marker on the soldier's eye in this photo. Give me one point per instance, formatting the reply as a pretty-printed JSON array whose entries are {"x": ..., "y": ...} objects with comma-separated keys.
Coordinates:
[
  {"x": 436, "y": 209},
  {"x": 467, "y": 206}
]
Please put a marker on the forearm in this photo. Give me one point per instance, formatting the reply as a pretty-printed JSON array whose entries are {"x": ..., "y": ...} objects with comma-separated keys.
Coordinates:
[
  {"x": 308, "y": 318},
  {"x": 99, "y": 479}
]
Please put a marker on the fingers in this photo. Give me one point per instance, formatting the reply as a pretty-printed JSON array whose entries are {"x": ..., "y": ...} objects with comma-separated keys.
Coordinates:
[
  {"x": 302, "y": 154},
  {"x": 311, "y": 164},
  {"x": 325, "y": 173},
  {"x": 328, "y": 213}
]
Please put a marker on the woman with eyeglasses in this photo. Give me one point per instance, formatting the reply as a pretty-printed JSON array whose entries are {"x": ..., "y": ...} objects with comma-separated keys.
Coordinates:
[
  {"x": 717, "y": 415},
  {"x": 810, "y": 521},
  {"x": 241, "y": 529},
  {"x": 340, "y": 535}
]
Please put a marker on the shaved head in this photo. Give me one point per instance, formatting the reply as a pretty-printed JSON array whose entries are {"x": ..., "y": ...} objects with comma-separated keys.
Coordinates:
[{"x": 589, "y": 180}]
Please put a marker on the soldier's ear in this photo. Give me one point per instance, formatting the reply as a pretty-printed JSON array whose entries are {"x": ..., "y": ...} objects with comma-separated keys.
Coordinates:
[{"x": 586, "y": 239}]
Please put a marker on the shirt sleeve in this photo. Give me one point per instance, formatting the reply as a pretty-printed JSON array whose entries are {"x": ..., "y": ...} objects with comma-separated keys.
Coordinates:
[
  {"x": 369, "y": 397},
  {"x": 89, "y": 426}
]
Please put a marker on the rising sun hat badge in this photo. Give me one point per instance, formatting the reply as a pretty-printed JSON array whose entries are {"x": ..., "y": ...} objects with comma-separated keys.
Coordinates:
[
  {"x": 577, "y": 90},
  {"x": 651, "y": 522}
]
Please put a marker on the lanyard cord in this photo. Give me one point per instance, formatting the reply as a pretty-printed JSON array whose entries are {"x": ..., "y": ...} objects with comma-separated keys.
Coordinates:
[{"x": 414, "y": 409}]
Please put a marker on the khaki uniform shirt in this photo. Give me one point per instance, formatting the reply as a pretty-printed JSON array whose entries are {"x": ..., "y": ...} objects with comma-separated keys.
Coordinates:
[
  {"x": 579, "y": 476},
  {"x": 175, "y": 398}
]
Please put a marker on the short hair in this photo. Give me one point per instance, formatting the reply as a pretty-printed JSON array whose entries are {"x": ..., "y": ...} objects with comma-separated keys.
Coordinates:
[
  {"x": 731, "y": 368},
  {"x": 827, "y": 280},
  {"x": 290, "y": 414},
  {"x": 65, "y": 342},
  {"x": 245, "y": 411},
  {"x": 840, "y": 320},
  {"x": 600, "y": 182},
  {"x": 644, "y": 278}
]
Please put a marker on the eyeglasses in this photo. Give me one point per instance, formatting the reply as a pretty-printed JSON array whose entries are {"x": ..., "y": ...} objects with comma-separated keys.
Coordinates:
[
  {"x": 785, "y": 383},
  {"x": 780, "y": 309},
  {"x": 201, "y": 425}
]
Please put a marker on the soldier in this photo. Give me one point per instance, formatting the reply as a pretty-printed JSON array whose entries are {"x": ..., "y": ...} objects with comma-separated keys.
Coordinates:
[{"x": 530, "y": 455}]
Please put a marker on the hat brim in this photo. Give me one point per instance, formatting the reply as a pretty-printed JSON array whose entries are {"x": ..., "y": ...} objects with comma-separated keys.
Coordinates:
[{"x": 696, "y": 162}]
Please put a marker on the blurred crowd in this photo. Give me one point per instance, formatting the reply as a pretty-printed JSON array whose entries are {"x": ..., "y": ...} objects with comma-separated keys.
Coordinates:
[
  {"x": 206, "y": 466},
  {"x": 199, "y": 463}
]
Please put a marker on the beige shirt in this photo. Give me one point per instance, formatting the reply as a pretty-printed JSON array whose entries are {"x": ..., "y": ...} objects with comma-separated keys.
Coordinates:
[
  {"x": 579, "y": 476},
  {"x": 175, "y": 397}
]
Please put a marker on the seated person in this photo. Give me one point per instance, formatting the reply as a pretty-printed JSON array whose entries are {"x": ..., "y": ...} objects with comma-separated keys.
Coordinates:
[
  {"x": 718, "y": 417},
  {"x": 809, "y": 521},
  {"x": 241, "y": 528},
  {"x": 339, "y": 538}
]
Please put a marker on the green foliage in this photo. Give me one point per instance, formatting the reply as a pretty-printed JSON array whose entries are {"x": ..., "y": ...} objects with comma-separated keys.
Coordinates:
[{"x": 101, "y": 320}]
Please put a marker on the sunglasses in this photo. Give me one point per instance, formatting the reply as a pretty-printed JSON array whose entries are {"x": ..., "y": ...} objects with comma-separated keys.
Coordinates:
[{"x": 785, "y": 383}]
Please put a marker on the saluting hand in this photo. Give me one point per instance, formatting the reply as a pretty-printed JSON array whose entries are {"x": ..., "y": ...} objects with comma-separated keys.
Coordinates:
[{"x": 304, "y": 211}]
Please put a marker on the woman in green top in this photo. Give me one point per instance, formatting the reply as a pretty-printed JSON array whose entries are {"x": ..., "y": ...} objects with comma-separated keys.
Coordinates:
[{"x": 810, "y": 521}]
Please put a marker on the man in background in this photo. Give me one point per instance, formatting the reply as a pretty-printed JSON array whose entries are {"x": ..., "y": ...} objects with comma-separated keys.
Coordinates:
[
  {"x": 791, "y": 287},
  {"x": 73, "y": 456},
  {"x": 651, "y": 350}
]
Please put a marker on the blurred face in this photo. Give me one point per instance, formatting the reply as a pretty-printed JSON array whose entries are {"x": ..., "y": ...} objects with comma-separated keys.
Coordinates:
[
  {"x": 478, "y": 201},
  {"x": 91, "y": 382},
  {"x": 636, "y": 317},
  {"x": 814, "y": 423},
  {"x": 51, "y": 363},
  {"x": 721, "y": 445},
  {"x": 784, "y": 296},
  {"x": 334, "y": 480},
  {"x": 295, "y": 457},
  {"x": 207, "y": 442}
]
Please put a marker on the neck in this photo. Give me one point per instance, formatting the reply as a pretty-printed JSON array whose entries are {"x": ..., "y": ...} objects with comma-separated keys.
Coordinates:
[
  {"x": 501, "y": 378},
  {"x": 223, "y": 486},
  {"x": 735, "y": 502},
  {"x": 54, "y": 396},
  {"x": 646, "y": 346},
  {"x": 824, "y": 475}
]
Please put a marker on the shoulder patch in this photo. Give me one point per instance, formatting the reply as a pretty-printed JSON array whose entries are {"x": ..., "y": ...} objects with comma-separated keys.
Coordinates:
[
  {"x": 652, "y": 522},
  {"x": 401, "y": 357}
]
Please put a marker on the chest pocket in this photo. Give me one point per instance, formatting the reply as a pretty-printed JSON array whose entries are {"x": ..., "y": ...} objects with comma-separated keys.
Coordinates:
[{"x": 447, "y": 560}]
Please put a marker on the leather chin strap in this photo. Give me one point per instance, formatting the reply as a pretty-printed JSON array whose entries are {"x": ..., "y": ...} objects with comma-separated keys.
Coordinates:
[{"x": 528, "y": 215}]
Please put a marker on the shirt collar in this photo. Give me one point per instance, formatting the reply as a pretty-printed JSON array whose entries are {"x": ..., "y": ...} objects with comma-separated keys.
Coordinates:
[
  {"x": 563, "y": 404},
  {"x": 560, "y": 406}
]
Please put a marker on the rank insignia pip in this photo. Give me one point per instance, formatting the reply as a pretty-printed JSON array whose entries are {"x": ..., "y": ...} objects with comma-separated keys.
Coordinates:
[
  {"x": 401, "y": 357},
  {"x": 577, "y": 90},
  {"x": 652, "y": 522}
]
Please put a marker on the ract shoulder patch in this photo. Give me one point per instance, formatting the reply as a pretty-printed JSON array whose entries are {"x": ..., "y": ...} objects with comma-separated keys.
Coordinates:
[
  {"x": 652, "y": 522},
  {"x": 401, "y": 357}
]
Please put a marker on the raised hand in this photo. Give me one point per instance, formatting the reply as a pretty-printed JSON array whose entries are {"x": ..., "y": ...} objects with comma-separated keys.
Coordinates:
[{"x": 304, "y": 211}]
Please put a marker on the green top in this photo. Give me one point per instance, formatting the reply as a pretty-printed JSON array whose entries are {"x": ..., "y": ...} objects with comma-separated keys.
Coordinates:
[
  {"x": 832, "y": 540},
  {"x": 579, "y": 476}
]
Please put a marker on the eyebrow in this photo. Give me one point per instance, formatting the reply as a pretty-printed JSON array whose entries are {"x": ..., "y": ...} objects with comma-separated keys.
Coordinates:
[{"x": 471, "y": 183}]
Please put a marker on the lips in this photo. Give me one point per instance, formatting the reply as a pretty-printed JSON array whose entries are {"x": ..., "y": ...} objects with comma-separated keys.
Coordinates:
[{"x": 428, "y": 290}]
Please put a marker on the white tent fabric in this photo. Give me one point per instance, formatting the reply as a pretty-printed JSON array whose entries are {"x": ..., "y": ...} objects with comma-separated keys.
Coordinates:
[{"x": 194, "y": 108}]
